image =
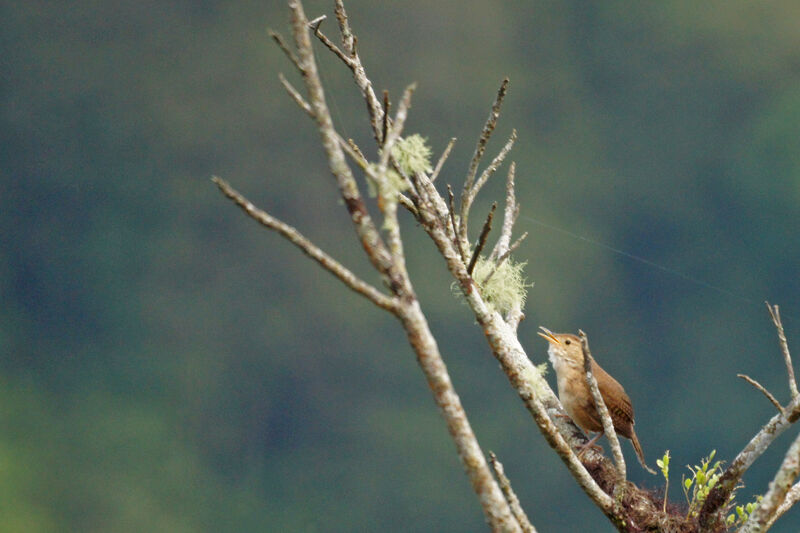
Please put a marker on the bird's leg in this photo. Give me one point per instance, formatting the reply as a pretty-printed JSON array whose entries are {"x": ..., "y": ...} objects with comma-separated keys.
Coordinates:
[{"x": 590, "y": 444}]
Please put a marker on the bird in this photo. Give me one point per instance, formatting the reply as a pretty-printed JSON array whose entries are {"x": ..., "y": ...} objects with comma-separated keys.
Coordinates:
[{"x": 567, "y": 355}]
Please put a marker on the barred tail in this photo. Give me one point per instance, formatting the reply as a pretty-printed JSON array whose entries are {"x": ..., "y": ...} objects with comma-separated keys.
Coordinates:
[{"x": 639, "y": 453}]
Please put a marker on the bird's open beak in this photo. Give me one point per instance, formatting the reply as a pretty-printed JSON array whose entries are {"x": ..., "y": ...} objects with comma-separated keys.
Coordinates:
[{"x": 548, "y": 335}]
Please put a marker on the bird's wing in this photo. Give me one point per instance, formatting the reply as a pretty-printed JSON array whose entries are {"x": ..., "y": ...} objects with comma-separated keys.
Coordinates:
[{"x": 617, "y": 401}]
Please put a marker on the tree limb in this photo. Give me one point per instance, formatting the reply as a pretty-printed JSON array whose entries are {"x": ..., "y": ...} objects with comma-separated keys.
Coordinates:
[
  {"x": 761, "y": 388},
  {"x": 775, "y": 314},
  {"x": 368, "y": 234},
  {"x": 776, "y": 494},
  {"x": 602, "y": 410},
  {"x": 511, "y": 496},
  {"x": 480, "y": 148},
  {"x": 309, "y": 248},
  {"x": 792, "y": 497}
]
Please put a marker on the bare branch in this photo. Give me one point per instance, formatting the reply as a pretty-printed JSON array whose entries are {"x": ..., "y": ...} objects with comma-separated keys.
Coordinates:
[
  {"x": 480, "y": 148},
  {"x": 792, "y": 497},
  {"x": 720, "y": 494},
  {"x": 514, "y": 317},
  {"x": 511, "y": 497},
  {"x": 455, "y": 226},
  {"x": 509, "y": 214},
  {"x": 496, "y": 508},
  {"x": 761, "y": 441},
  {"x": 442, "y": 159},
  {"x": 286, "y": 50},
  {"x": 761, "y": 388},
  {"x": 496, "y": 162},
  {"x": 397, "y": 128},
  {"x": 349, "y": 42},
  {"x": 778, "y": 488},
  {"x": 600, "y": 404},
  {"x": 368, "y": 234},
  {"x": 387, "y": 105},
  {"x": 487, "y": 227},
  {"x": 348, "y": 146},
  {"x": 486, "y": 133},
  {"x": 296, "y": 96},
  {"x": 775, "y": 314},
  {"x": 295, "y": 237},
  {"x": 386, "y": 205},
  {"x": 315, "y": 24}
]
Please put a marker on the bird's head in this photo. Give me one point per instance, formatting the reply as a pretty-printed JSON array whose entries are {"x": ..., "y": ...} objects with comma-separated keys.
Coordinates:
[{"x": 564, "y": 347}]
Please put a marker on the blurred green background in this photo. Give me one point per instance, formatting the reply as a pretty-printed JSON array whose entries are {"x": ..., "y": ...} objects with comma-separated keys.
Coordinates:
[{"x": 168, "y": 365}]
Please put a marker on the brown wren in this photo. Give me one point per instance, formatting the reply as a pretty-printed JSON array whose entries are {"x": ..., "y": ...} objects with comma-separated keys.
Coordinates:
[{"x": 566, "y": 355}]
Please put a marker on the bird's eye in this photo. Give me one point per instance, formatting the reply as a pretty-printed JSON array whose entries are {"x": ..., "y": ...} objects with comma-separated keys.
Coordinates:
[{"x": 567, "y": 341}]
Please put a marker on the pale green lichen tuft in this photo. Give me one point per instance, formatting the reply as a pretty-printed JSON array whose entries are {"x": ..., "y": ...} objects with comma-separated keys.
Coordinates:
[
  {"x": 389, "y": 188},
  {"x": 506, "y": 289},
  {"x": 543, "y": 368},
  {"x": 533, "y": 377},
  {"x": 412, "y": 154}
]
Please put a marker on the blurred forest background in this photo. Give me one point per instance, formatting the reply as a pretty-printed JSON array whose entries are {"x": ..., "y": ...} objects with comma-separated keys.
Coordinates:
[{"x": 168, "y": 365}]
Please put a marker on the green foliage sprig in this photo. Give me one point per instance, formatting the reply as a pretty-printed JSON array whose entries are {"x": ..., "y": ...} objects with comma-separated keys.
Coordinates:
[
  {"x": 704, "y": 478},
  {"x": 663, "y": 464},
  {"x": 743, "y": 513}
]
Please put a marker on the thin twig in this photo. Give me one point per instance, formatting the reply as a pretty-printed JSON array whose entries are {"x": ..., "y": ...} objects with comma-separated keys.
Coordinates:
[
  {"x": 442, "y": 159},
  {"x": 317, "y": 22},
  {"x": 397, "y": 127},
  {"x": 503, "y": 257},
  {"x": 480, "y": 148},
  {"x": 349, "y": 146},
  {"x": 328, "y": 43},
  {"x": 486, "y": 133},
  {"x": 349, "y": 42},
  {"x": 761, "y": 388},
  {"x": 511, "y": 496},
  {"x": 775, "y": 313},
  {"x": 487, "y": 227},
  {"x": 355, "y": 148},
  {"x": 387, "y": 105},
  {"x": 600, "y": 404},
  {"x": 286, "y": 50},
  {"x": 389, "y": 208},
  {"x": 496, "y": 162},
  {"x": 296, "y": 96},
  {"x": 509, "y": 214},
  {"x": 455, "y": 226},
  {"x": 309, "y": 248}
]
